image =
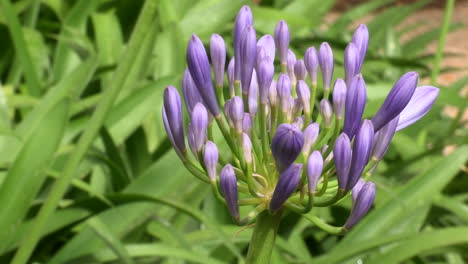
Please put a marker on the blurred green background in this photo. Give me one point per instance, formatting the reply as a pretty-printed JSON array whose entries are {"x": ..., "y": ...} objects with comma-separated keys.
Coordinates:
[{"x": 88, "y": 175}]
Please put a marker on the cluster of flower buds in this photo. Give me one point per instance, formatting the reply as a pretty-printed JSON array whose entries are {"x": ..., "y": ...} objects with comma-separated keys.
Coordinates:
[{"x": 292, "y": 142}]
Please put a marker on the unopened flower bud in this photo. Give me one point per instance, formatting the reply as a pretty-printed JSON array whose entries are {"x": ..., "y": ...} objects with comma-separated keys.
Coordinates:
[
  {"x": 311, "y": 63},
  {"x": 173, "y": 112},
  {"x": 282, "y": 40},
  {"x": 303, "y": 93},
  {"x": 228, "y": 184},
  {"x": 286, "y": 185},
  {"x": 314, "y": 170},
  {"x": 286, "y": 145},
  {"x": 361, "y": 205},
  {"x": 361, "y": 40},
  {"x": 300, "y": 70},
  {"x": 210, "y": 158},
  {"x": 243, "y": 19},
  {"x": 218, "y": 58},
  {"x": 310, "y": 136},
  {"x": 342, "y": 153},
  {"x": 325, "y": 58},
  {"x": 327, "y": 112},
  {"x": 339, "y": 97},
  {"x": 199, "y": 126},
  {"x": 247, "y": 148},
  {"x": 421, "y": 102},
  {"x": 248, "y": 51},
  {"x": 355, "y": 103},
  {"x": 361, "y": 152}
]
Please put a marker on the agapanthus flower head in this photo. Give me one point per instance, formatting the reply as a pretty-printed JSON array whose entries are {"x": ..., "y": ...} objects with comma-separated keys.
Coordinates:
[{"x": 282, "y": 132}]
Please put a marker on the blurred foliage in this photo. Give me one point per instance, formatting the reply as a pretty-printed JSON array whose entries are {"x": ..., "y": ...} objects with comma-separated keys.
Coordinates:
[{"x": 82, "y": 140}]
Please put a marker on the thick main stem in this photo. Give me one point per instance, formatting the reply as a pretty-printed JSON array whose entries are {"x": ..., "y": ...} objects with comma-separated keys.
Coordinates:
[{"x": 263, "y": 238}]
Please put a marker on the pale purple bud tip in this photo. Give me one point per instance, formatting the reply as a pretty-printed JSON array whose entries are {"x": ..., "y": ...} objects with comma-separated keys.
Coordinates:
[
  {"x": 273, "y": 93},
  {"x": 169, "y": 134},
  {"x": 173, "y": 110},
  {"x": 339, "y": 97},
  {"x": 247, "y": 124},
  {"x": 210, "y": 158},
  {"x": 190, "y": 91},
  {"x": 314, "y": 169},
  {"x": 351, "y": 61},
  {"x": 361, "y": 205},
  {"x": 325, "y": 59},
  {"x": 286, "y": 185},
  {"x": 382, "y": 139},
  {"x": 218, "y": 57},
  {"x": 298, "y": 122},
  {"x": 297, "y": 107},
  {"x": 300, "y": 70},
  {"x": 268, "y": 44},
  {"x": 361, "y": 40},
  {"x": 199, "y": 124},
  {"x": 361, "y": 152},
  {"x": 248, "y": 51},
  {"x": 265, "y": 73},
  {"x": 286, "y": 145},
  {"x": 236, "y": 112},
  {"x": 243, "y": 19},
  {"x": 253, "y": 94},
  {"x": 230, "y": 74},
  {"x": 356, "y": 96},
  {"x": 327, "y": 112},
  {"x": 356, "y": 189},
  {"x": 282, "y": 40},
  {"x": 311, "y": 63},
  {"x": 199, "y": 67},
  {"x": 284, "y": 87},
  {"x": 310, "y": 136},
  {"x": 191, "y": 140},
  {"x": 228, "y": 184},
  {"x": 290, "y": 66},
  {"x": 421, "y": 102},
  {"x": 303, "y": 93},
  {"x": 396, "y": 100},
  {"x": 342, "y": 154},
  {"x": 227, "y": 112},
  {"x": 247, "y": 148}
]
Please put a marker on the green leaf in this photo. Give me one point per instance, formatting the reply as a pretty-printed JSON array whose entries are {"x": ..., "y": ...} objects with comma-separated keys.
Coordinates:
[
  {"x": 26, "y": 175},
  {"x": 419, "y": 191}
]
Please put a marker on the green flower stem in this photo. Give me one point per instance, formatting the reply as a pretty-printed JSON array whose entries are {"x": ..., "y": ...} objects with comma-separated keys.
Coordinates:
[
  {"x": 443, "y": 35},
  {"x": 249, "y": 201},
  {"x": 219, "y": 94},
  {"x": 284, "y": 68},
  {"x": 214, "y": 187},
  {"x": 312, "y": 99},
  {"x": 324, "y": 226},
  {"x": 142, "y": 28},
  {"x": 227, "y": 135},
  {"x": 252, "y": 215},
  {"x": 263, "y": 238},
  {"x": 263, "y": 129},
  {"x": 237, "y": 88},
  {"x": 340, "y": 194},
  {"x": 250, "y": 180}
]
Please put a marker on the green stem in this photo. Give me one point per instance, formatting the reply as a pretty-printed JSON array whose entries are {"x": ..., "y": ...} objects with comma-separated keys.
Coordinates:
[
  {"x": 263, "y": 238},
  {"x": 443, "y": 35}
]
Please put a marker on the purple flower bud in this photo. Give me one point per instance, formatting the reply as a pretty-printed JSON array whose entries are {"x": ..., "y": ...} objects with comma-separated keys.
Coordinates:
[
  {"x": 303, "y": 93},
  {"x": 230, "y": 73},
  {"x": 284, "y": 90},
  {"x": 351, "y": 60},
  {"x": 311, "y": 63},
  {"x": 236, "y": 112},
  {"x": 210, "y": 158},
  {"x": 357, "y": 188},
  {"x": 173, "y": 110},
  {"x": 326, "y": 111},
  {"x": 199, "y": 125},
  {"x": 300, "y": 70},
  {"x": 361, "y": 205},
  {"x": 265, "y": 73},
  {"x": 290, "y": 66},
  {"x": 361, "y": 40},
  {"x": 282, "y": 40},
  {"x": 247, "y": 124},
  {"x": 243, "y": 19},
  {"x": 253, "y": 94},
  {"x": 361, "y": 152},
  {"x": 190, "y": 91},
  {"x": 297, "y": 107},
  {"x": 286, "y": 185},
  {"x": 191, "y": 140},
  {"x": 227, "y": 112},
  {"x": 310, "y": 136},
  {"x": 272, "y": 94},
  {"x": 286, "y": 145},
  {"x": 397, "y": 99},
  {"x": 325, "y": 58},
  {"x": 298, "y": 122},
  {"x": 421, "y": 102},
  {"x": 382, "y": 139},
  {"x": 248, "y": 51},
  {"x": 199, "y": 67},
  {"x": 170, "y": 136},
  {"x": 228, "y": 184},
  {"x": 355, "y": 103},
  {"x": 247, "y": 148},
  {"x": 268, "y": 44},
  {"x": 339, "y": 97},
  {"x": 314, "y": 169},
  {"x": 218, "y": 57},
  {"x": 342, "y": 153}
]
